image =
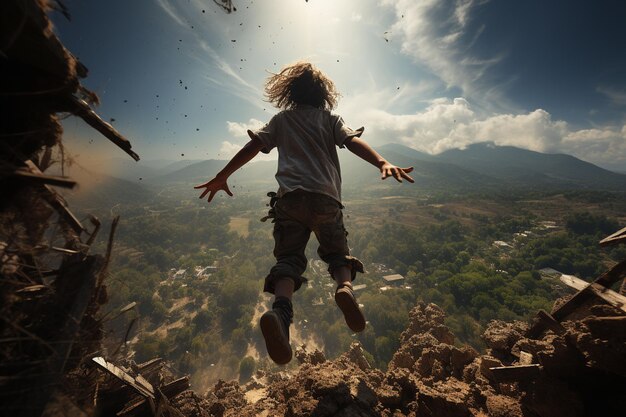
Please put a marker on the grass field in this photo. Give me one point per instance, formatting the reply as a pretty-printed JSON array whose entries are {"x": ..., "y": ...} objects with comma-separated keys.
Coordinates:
[{"x": 239, "y": 225}]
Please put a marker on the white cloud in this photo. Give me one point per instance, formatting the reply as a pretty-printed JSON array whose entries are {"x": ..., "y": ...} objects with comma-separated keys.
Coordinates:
[
  {"x": 171, "y": 11},
  {"x": 228, "y": 150},
  {"x": 436, "y": 34},
  {"x": 449, "y": 124},
  {"x": 240, "y": 130},
  {"x": 617, "y": 96}
]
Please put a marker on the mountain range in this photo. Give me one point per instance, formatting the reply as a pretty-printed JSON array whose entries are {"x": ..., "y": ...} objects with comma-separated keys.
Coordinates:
[{"x": 478, "y": 167}]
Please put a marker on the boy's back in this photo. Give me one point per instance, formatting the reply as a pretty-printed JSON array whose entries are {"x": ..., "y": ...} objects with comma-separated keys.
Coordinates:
[{"x": 307, "y": 140}]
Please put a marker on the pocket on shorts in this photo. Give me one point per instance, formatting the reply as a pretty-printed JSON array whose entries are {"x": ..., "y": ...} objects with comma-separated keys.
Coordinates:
[{"x": 325, "y": 206}]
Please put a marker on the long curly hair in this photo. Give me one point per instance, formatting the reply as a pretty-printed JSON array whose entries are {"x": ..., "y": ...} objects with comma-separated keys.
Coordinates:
[{"x": 301, "y": 83}]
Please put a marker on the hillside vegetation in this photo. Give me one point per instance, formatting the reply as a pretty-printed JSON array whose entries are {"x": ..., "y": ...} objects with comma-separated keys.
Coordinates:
[{"x": 196, "y": 271}]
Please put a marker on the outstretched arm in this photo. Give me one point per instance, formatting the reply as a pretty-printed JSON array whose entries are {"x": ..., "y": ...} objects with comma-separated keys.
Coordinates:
[
  {"x": 361, "y": 149},
  {"x": 245, "y": 154}
]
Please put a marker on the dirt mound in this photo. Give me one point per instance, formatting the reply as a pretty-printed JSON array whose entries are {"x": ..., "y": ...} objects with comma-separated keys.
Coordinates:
[{"x": 579, "y": 372}]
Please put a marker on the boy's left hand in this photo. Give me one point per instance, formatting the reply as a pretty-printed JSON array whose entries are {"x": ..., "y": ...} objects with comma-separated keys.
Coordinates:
[
  {"x": 213, "y": 187},
  {"x": 390, "y": 170}
]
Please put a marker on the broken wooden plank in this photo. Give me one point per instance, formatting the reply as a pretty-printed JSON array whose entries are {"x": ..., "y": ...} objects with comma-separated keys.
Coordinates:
[
  {"x": 82, "y": 109},
  {"x": 142, "y": 386},
  {"x": 613, "y": 275},
  {"x": 615, "y": 238},
  {"x": 605, "y": 280},
  {"x": 543, "y": 321},
  {"x": 57, "y": 202},
  {"x": 613, "y": 298},
  {"x": 516, "y": 373},
  {"x": 64, "y": 250},
  {"x": 42, "y": 179},
  {"x": 169, "y": 390}
]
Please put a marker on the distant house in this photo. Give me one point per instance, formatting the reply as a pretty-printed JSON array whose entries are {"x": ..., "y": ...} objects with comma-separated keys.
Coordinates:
[
  {"x": 359, "y": 287},
  {"x": 202, "y": 272},
  {"x": 550, "y": 273},
  {"x": 393, "y": 280},
  {"x": 501, "y": 244},
  {"x": 180, "y": 274}
]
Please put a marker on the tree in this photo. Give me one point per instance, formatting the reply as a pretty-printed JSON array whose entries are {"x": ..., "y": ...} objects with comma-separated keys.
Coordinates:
[{"x": 246, "y": 368}]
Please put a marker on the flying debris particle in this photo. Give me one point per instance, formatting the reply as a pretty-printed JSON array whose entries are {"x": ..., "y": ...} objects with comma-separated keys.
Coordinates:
[
  {"x": 157, "y": 96},
  {"x": 337, "y": 60},
  {"x": 112, "y": 119},
  {"x": 185, "y": 115},
  {"x": 197, "y": 130},
  {"x": 203, "y": 11},
  {"x": 125, "y": 101},
  {"x": 233, "y": 40},
  {"x": 398, "y": 88},
  {"x": 182, "y": 154},
  {"x": 185, "y": 87},
  {"x": 140, "y": 178}
]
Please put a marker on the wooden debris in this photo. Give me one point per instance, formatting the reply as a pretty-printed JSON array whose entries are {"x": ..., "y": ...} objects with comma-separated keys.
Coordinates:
[
  {"x": 615, "y": 238},
  {"x": 42, "y": 179},
  {"x": 142, "y": 386},
  {"x": 82, "y": 109},
  {"x": 151, "y": 399},
  {"x": 57, "y": 202},
  {"x": 610, "y": 296},
  {"x": 169, "y": 390},
  {"x": 599, "y": 288},
  {"x": 516, "y": 373}
]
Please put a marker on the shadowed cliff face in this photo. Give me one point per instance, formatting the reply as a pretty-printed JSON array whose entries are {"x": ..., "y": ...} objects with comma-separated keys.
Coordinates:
[{"x": 429, "y": 376}]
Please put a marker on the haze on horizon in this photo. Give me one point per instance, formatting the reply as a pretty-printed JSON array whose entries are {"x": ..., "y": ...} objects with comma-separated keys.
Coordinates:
[{"x": 183, "y": 79}]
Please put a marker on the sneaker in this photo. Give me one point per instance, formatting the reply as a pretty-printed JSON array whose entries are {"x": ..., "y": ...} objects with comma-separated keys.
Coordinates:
[
  {"x": 344, "y": 297},
  {"x": 275, "y": 328}
]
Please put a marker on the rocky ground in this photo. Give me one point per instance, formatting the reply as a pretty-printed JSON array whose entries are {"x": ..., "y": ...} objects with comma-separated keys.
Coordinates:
[{"x": 580, "y": 372}]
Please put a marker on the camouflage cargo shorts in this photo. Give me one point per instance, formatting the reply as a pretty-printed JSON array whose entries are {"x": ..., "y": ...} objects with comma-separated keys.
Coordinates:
[{"x": 297, "y": 214}]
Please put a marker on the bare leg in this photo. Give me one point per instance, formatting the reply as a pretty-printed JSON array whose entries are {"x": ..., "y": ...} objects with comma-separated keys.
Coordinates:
[
  {"x": 343, "y": 276},
  {"x": 284, "y": 288}
]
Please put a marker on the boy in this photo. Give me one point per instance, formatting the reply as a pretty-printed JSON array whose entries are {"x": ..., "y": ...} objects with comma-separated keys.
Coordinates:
[{"x": 307, "y": 135}]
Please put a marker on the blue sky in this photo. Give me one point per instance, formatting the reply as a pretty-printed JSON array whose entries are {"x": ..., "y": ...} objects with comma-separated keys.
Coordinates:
[{"x": 185, "y": 78}]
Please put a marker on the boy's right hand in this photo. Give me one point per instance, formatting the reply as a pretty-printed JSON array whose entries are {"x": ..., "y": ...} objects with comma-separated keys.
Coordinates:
[
  {"x": 389, "y": 170},
  {"x": 213, "y": 187}
]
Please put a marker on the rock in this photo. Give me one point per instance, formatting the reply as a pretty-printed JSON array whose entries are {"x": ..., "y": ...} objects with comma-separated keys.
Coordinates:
[
  {"x": 356, "y": 356},
  {"x": 501, "y": 336},
  {"x": 427, "y": 319},
  {"x": 428, "y": 376},
  {"x": 503, "y": 406},
  {"x": 313, "y": 358},
  {"x": 444, "y": 400},
  {"x": 487, "y": 362}
]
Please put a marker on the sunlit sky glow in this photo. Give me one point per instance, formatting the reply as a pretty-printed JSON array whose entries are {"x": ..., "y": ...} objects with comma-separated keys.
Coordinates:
[{"x": 183, "y": 77}]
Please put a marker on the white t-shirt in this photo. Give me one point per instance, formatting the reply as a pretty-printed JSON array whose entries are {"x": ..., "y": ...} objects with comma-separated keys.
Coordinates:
[{"x": 307, "y": 140}]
